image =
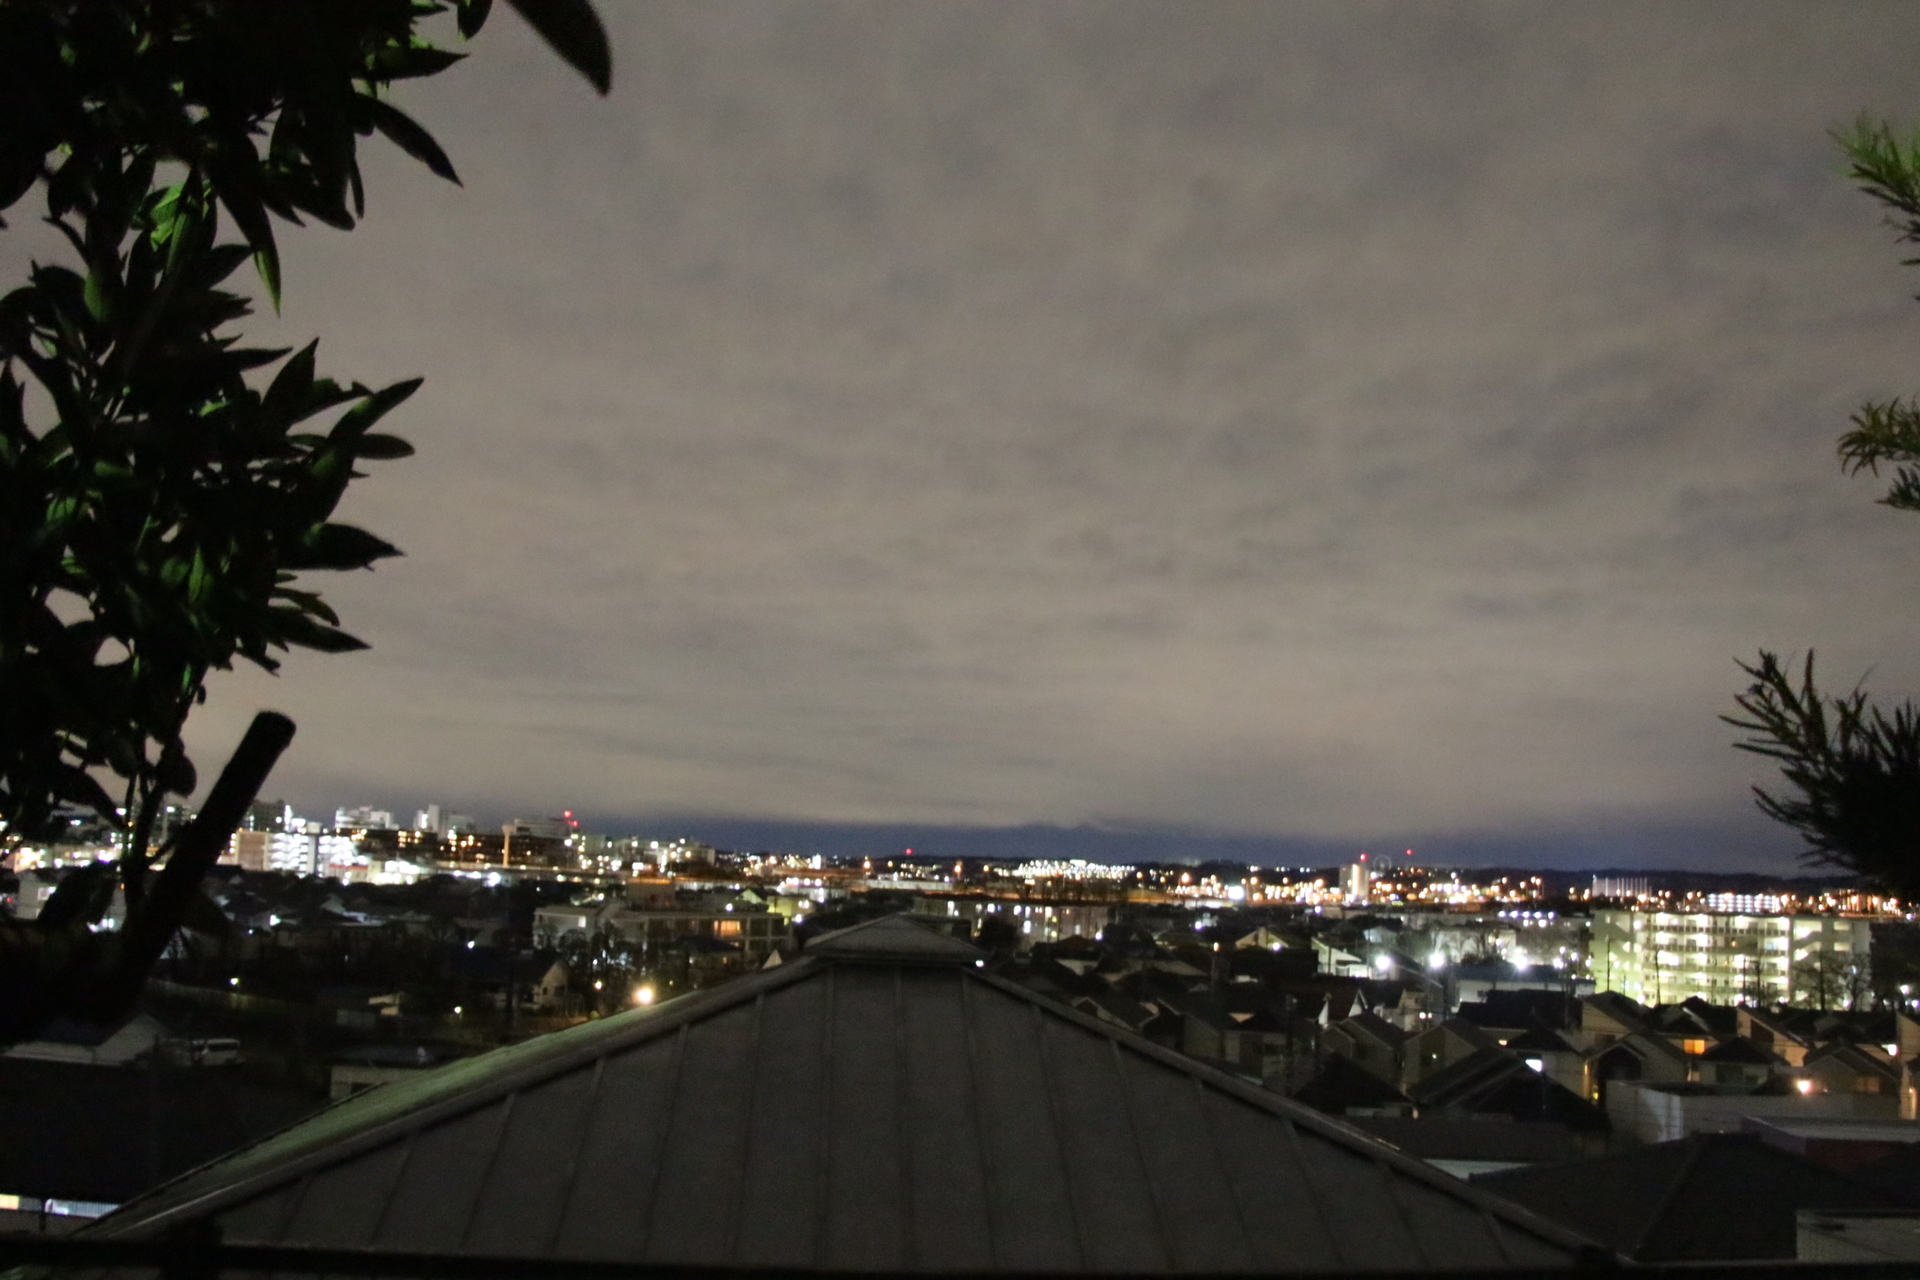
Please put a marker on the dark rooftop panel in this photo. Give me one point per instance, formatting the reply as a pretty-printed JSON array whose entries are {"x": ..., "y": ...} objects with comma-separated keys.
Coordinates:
[
  {"x": 844, "y": 1112},
  {"x": 894, "y": 938}
]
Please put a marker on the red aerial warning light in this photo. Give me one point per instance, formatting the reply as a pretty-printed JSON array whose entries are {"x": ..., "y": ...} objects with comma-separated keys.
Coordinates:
[{"x": 909, "y": 853}]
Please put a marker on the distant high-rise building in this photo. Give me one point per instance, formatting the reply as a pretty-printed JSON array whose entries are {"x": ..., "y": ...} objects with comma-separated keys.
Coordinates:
[
  {"x": 294, "y": 851},
  {"x": 364, "y": 818},
  {"x": 1356, "y": 882},
  {"x": 441, "y": 821},
  {"x": 1621, "y": 887},
  {"x": 248, "y": 849},
  {"x": 537, "y": 828}
]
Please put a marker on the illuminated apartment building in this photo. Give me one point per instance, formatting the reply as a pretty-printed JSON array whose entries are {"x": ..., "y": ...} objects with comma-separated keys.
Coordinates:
[
  {"x": 1356, "y": 882},
  {"x": 1661, "y": 957}
]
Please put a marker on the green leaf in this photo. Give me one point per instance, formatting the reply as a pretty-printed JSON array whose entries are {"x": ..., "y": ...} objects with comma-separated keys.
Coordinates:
[
  {"x": 238, "y": 186},
  {"x": 296, "y": 628},
  {"x": 356, "y": 420},
  {"x": 573, "y": 30},
  {"x": 404, "y": 132},
  {"x": 341, "y": 546},
  {"x": 290, "y": 388},
  {"x": 308, "y": 602},
  {"x": 197, "y": 579},
  {"x": 473, "y": 16},
  {"x": 378, "y": 446},
  {"x": 266, "y": 261},
  {"x": 406, "y": 62}
]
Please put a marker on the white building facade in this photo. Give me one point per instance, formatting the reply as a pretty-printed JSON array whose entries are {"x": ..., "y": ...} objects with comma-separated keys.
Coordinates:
[{"x": 1661, "y": 957}]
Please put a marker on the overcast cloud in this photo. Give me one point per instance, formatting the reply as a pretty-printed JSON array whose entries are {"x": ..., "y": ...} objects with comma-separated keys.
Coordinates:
[{"x": 1334, "y": 422}]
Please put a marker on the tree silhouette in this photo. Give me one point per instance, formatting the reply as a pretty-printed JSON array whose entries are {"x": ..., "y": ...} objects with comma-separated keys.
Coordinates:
[
  {"x": 1853, "y": 768},
  {"x": 160, "y": 496}
]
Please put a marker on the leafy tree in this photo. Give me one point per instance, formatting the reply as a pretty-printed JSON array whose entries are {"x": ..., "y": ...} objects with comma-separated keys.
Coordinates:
[
  {"x": 1887, "y": 431},
  {"x": 1828, "y": 981},
  {"x": 161, "y": 494},
  {"x": 1853, "y": 768}
]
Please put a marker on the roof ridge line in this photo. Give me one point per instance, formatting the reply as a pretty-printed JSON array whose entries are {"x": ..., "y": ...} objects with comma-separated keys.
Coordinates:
[
  {"x": 1321, "y": 1125},
  {"x": 662, "y": 1020}
]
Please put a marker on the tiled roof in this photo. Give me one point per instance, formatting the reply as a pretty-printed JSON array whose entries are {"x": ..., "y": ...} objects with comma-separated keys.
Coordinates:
[{"x": 880, "y": 1104}]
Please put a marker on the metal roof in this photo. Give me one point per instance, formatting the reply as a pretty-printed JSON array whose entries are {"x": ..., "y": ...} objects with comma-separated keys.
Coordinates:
[
  {"x": 1707, "y": 1196},
  {"x": 879, "y": 1104}
]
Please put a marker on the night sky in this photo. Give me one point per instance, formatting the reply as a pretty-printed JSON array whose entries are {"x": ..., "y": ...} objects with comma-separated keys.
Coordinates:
[{"x": 1211, "y": 427}]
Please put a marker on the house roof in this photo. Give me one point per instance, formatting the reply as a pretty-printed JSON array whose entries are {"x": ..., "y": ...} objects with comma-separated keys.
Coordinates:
[
  {"x": 1715, "y": 1019},
  {"x": 1712, "y": 1195},
  {"x": 1450, "y": 1138},
  {"x": 1116, "y": 1008},
  {"x": 105, "y": 1134},
  {"x": 1375, "y": 1028},
  {"x": 878, "y": 1104},
  {"x": 1464, "y": 1031},
  {"x": 1740, "y": 1050},
  {"x": 1521, "y": 1007},
  {"x": 1496, "y": 1082},
  {"x": 1540, "y": 1040},
  {"x": 1646, "y": 1044},
  {"x": 1854, "y": 1059},
  {"x": 1341, "y": 1083},
  {"x": 1624, "y": 1011}
]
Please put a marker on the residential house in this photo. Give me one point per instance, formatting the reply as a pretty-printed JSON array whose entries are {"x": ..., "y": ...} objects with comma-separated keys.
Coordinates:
[
  {"x": 138, "y": 1039},
  {"x": 1846, "y": 1145},
  {"x": 1773, "y": 1031},
  {"x": 880, "y": 1104},
  {"x": 1341, "y": 1087},
  {"x": 1370, "y": 1042},
  {"x": 1644, "y": 1056},
  {"x": 1495, "y": 1082},
  {"x": 1440, "y": 1046},
  {"x": 1608, "y": 1016},
  {"x": 1550, "y": 1053},
  {"x": 1648, "y": 1112},
  {"x": 1838, "y": 1067},
  {"x": 1737, "y": 1060}
]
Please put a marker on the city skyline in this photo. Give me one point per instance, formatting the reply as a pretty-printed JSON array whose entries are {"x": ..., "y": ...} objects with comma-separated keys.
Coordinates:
[{"x": 1317, "y": 427}]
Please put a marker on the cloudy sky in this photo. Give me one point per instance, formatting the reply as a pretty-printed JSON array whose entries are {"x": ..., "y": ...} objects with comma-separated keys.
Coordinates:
[{"x": 1311, "y": 425}]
